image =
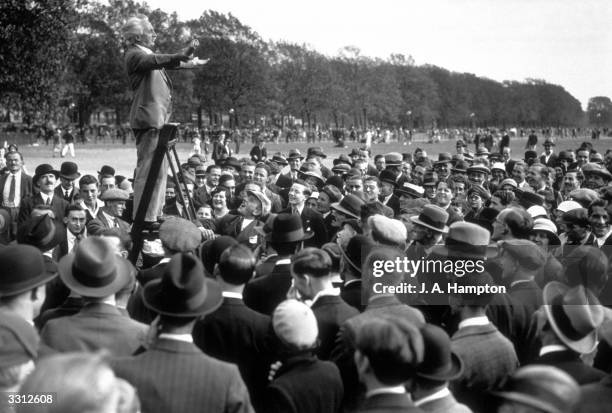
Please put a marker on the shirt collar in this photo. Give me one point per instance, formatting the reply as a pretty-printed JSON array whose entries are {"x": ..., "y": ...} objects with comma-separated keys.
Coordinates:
[
  {"x": 387, "y": 390},
  {"x": 349, "y": 282},
  {"x": 144, "y": 49},
  {"x": 231, "y": 294},
  {"x": 334, "y": 292},
  {"x": 474, "y": 321},
  {"x": 513, "y": 283},
  {"x": 283, "y": 261},
  {"x": 552, "y": 348},
  {"x": 187, "y": 338},
  {"x": 440, "y": 394}
]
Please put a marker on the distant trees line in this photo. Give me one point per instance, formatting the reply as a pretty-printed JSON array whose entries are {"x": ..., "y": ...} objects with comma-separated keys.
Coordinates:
[{"x": 65, "y": 56}]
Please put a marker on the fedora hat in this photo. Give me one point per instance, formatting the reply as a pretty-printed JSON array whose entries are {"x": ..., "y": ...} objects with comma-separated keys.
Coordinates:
[
  {"x": 279, "y": 159},
  {"x": 549, "y": 142},
  {"x": 69, "y": 170},
  {"x": 41, "y": 233},
  {"x": 574, "y": 314},
  {"x": 349, "y": 205},
  {"x": 23, "y": 268},
  {"x": 461, "y": 166},
  {"x": 316, "y": 151},
  {"x": 388, "y": 176},
  {"x": 592, "y": 168},
  {"x": 183, "y": 291},
  {"x": 106, "y": 170},
  {"x": 466, "y": 239},
  {"x": 94, "y": 270},
  {"x": 288, "y": 228},
  {"x": 357, "y": 250},
  {"x": 295, "y": 153},
  {"x": 211, "y": 251},
  {"x": 528, "y": 199},
  {"x": 231, "y": 162},
  {"x": 44, "y": 169},
  {"x": 439, "y": 363},
  {"x": 432, "y": 217},
  {"x": 343, "y": 158},
  {"x": 547, "y": 388},
  {"x": 443, "y": 157},
  {"x": 316, "y": 176}
]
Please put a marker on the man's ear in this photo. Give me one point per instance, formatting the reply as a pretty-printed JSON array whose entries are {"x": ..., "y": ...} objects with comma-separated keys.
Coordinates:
[{"x": 362, "y": 363}]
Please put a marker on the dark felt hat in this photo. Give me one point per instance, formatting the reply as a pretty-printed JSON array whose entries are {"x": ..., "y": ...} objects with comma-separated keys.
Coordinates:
[
  {"x": 528, "y": 199},
  {"x": 545, "y": 388},
  {"x": 41, "y": 233},
  {"x": 357, "y": 250},
  {"x": 231, "y": 162},
  {"x": 288, "y": 228},
  {"x": 349, "y": 205},
  {"x": 69, "y": 170},
  {"x": 44, "y": 169},
  {"x": 183, "y": 291},
  {"x": 106, "y": 170},
  {"x": 279, "y": 159},
  {"x": 316, "y": 151},
  {"x": 439, "y": 363},
  {"x": 212, "y": 249},
  {"x": 342, "y": 159},
  {"x": 23, "y": 268},
  {"x": 94, "y": 270},
  {"x": 295, "y": 153},
  {"x": 388, "y": 176}
]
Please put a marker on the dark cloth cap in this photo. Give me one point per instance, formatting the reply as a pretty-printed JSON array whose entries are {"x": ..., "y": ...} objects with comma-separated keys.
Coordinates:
[{"x": 578, "y": 216}]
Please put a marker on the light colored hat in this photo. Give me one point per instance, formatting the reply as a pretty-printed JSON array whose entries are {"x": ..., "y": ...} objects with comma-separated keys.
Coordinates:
[
  {"x": 115, "y": 194},
  {"x": 508, "y": 181},
  {"x": 266, "y": 204},
  {"x": 567, "y": 206},
  {"x": 499, "y": 165},
  {"x": 294, "y": 323},
  {"x": 545, "y": 224},
  {"x": 536, "y": 211},
  {"x": 153, "y": 248},
  {"x": 388, "y": 230}
]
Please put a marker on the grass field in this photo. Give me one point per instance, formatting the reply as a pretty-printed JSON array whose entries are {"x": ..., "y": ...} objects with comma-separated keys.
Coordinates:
[{"x": 91, "y": 157}]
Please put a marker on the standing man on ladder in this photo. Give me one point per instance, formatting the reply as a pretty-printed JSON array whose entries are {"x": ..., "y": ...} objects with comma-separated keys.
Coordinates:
[{"x": 152, "y": 104}]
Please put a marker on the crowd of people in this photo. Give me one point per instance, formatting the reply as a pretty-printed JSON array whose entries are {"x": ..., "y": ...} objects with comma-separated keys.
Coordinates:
[{"x": 269, "y": 299}]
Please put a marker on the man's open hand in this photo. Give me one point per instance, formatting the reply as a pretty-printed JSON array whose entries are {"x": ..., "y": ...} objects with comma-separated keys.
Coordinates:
[{"x": 195, "y": 62}]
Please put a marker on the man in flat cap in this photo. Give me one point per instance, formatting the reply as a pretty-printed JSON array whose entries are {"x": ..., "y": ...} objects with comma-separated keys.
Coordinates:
[{"x": 109, "y": 216}]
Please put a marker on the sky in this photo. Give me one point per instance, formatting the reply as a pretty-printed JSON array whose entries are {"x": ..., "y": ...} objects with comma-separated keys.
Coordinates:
[{"x": 565, "y": 42}]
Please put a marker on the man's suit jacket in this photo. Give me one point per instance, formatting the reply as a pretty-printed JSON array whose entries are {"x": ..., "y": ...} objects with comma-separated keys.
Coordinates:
[
  {"x": 570, "y": 362},
  {"x": 236, "y": 334},
  {"x": 288, "y": 393},
  {"x": 70, "y": 306},
  {"x": 58, "y": 206},
  {"x": 231, "y": 225},
  {"x": 26, "y": 186},
  {"x": 59, "y": 191},
  {"x": 352, "y": 295},
  {"x": 488, "y": 358},
  {"x": 388, "y": 403},
  {"x": 264, "y": 293},
  {"x": 596, "y": 397},
  {"x": 96, "y": 326},
  {"x": 152, "y": 88},
  {"x": 201, "y": 195},
  {"x": 100, "y": 223},
  {"x": 394, "y": 204},
  {"x": 331, "y": 312},
  {"x": 312, "y": 221},
  {"x": 175, "y": 376},
  {"x": 344, "y": 350},
  {"x": 446, "y": 404},
  {"x": 552, "y": 160}
]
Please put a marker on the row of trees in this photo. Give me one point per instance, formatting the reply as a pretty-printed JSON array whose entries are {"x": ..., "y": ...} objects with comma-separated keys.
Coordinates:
[{"x": 68, "y": 55}]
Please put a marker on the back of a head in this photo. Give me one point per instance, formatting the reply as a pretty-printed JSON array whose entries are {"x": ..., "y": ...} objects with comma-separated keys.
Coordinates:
[
  {"x": 394, "y": 348},
  {"x": 236, "y": 265},
  {"x": 313, "y": 262},
  {"x": 518, "y": 220},
  {"x": 586, "y": 265},
  {"x": 80, "y": 382},
  {"x": 375, "y": 261}
]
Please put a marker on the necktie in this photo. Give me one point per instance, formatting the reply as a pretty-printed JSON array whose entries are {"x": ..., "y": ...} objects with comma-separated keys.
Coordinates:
[
  {"x": 77, "y": 239},
  {"x": 67, "y": 194},
  {"x": 11, "y": 197},
  {"x": 116, "y": 223},
  {"x": 48, "y": 201}
]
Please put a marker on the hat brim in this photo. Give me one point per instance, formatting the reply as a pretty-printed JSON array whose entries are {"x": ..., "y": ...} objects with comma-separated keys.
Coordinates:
[
  {"x": 554, "y": 235},
  {"x": 155, "y": 299},
  {"x": 527, "y": 400},
  {"x": 583, "y": 346},
  {"x": 453, "y": 372},
  {"x": 416, "y": 220},
  {"x": 27, "y": 285},
  {"x": 491, "y": 251},
  {"x": 338, "y": 207},
  {"x": 295, "y": 157},
  {"x": 123, "y": 267},
  {"x": 35, "y": 178},
  {"x": 72, "y": 177}
]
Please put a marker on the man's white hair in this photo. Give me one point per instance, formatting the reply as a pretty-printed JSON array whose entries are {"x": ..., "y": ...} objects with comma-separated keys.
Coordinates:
[{"x": 135, "y": 27}]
